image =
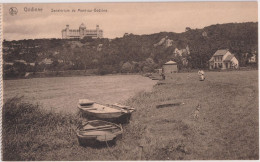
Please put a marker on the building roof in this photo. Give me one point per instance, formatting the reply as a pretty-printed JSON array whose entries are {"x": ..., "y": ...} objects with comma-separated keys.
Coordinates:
[
  {"x": 47, "y": 61},
  {"x": 170, "y": 63},
  {"x": 212, "y": 59},
  {"x": 229, "y": 57},
  {"x": 21, "y": 61},
  {"x": 220, "y": 52},
  {"x": 8, "y": 63}
]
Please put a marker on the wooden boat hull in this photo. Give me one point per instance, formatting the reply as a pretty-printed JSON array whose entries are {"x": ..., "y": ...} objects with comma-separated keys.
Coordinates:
[
  {"x": 110, "y": 113},
  {"x": 106, "y": 132},
  {"x": 122, "y": 118},
  {"x": 102, "y": 115},
  {"x": 93, "y": 142}
]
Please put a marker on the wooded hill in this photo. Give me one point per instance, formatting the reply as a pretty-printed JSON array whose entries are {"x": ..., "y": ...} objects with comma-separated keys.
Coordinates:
[{"x": 133, "y": 53}]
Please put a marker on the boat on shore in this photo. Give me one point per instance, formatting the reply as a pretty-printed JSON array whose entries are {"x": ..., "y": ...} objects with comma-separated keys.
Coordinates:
[
  {"x": 105, "y": 112},
  {"x": 98, "y": 132}
]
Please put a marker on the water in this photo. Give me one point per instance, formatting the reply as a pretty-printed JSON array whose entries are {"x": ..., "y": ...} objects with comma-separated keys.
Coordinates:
[{"x": 63, "y": 93}]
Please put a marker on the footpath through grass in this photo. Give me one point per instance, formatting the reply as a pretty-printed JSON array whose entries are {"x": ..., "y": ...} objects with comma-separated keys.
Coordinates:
[{"x": 225, "y": 127}]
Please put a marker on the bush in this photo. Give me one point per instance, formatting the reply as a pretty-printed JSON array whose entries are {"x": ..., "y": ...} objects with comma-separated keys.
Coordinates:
[
  {"x": 29, "y": 130},
  {"x": 87, "y": 39},
  {"x": 127, "y": 67}
]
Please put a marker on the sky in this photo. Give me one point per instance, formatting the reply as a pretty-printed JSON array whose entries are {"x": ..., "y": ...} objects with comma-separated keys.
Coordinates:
[{"x": 115, "y": 19}]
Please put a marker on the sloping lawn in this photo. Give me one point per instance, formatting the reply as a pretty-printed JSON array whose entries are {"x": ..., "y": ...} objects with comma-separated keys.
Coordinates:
[{"x": 225, "y": 127}]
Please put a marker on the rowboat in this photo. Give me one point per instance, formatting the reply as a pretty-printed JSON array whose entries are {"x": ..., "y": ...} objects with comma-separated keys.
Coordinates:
[
  {"x": 105, "y": 112},
  {"x": 98, "y": 131}
]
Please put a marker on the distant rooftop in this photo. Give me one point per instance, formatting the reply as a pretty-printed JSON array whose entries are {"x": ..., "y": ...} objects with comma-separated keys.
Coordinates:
[
  {"x": 170, "y": 63},
  {"x": 229, "y": 57},
  {"x": 220, "y": 52}
]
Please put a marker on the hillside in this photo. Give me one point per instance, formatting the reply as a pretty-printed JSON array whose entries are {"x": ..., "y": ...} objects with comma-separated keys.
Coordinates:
[{"x": 131, "y": 53}]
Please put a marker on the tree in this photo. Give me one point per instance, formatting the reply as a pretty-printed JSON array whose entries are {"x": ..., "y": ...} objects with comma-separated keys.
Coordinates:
[
  {"x": 20, "y": 68},
  {"x": 187, "y": 29},
  {"x": 126, "y": 67},
  {"x": 149, "y": 65},
  {"x": 86, "y": 39},
  {"x": 54, "y": 65}
]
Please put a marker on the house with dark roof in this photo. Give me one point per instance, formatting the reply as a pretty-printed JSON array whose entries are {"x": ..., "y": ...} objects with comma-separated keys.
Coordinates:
[{"x": 223, "y": 59}]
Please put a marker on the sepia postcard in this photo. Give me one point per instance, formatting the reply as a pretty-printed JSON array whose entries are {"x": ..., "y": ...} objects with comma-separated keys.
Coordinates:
[{"x": 129, "y": 81}]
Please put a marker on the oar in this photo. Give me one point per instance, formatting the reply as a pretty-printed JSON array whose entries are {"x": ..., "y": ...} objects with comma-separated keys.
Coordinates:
[
  {"x": 103, "y": 128},
  {"x": 123, "y": 106},
  {"x": 89, "y": 108}
]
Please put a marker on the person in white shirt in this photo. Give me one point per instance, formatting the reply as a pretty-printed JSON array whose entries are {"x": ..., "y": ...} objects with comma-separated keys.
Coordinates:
[{"x": 201, "y": 74}]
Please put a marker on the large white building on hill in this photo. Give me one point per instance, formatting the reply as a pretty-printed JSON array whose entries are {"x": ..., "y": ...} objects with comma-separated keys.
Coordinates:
[{"x": 81, "y": 32}]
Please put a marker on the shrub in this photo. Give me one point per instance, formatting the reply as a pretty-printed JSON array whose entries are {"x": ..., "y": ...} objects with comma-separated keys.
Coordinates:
[{"x": 28, "y": 130}]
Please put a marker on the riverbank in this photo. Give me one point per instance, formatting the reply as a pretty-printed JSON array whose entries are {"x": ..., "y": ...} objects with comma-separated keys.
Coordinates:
[
  {"x": 225, "y": 127},
  {"x": 96, "y": 72},
  {"x": 67, "y": 73}
]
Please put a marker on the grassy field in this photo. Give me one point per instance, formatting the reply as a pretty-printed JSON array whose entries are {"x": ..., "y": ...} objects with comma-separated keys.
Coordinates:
[{"x": 226, "y": 126}]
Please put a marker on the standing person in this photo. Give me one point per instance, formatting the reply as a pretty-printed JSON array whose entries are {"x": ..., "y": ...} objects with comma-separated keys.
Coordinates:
[
  {"x": 163, "y": 76},
  {"x": 201, "y": 74}
]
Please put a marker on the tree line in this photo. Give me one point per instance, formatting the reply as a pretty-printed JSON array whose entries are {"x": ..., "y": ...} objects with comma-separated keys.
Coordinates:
[{"x": 132, "y": 53}]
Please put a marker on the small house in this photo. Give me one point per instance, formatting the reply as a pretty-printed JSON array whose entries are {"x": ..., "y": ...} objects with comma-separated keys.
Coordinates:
[
  {"x": 46, "y": 61},
  {"x": 20, "y": 61},
  {"x": 223, "y": 59},
  {"x": 252, "y": 59},
  {"x": 170, "y": 67},
  {"x": 9, "y": 63},
  {"x": 31, "y": 64}
]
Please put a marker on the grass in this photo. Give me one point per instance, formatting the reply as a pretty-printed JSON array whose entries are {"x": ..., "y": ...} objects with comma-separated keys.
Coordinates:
[
  {"x": 29, "y": 131},
  {"x": 227, "y": 126}
]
